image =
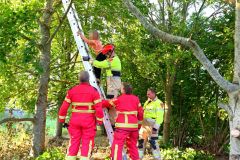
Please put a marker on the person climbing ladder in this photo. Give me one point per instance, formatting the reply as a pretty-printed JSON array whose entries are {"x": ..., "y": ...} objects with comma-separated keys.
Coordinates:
[
  {"x": 113, "y": 70},
  {"x": 96, "y": 45}
]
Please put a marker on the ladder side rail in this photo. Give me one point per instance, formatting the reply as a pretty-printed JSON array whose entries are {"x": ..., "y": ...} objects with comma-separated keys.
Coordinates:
[
  {"x": 88, "y": 67},
  {"x": 83, "y": 50}
]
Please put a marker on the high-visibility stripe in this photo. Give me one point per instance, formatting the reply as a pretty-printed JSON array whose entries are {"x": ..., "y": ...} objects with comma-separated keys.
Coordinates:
[
  {"x": 126, "y": 118},
  {"x": 126, "y": 125},
  {"x": 140, "y": 122},
  {"x": 84, "y": 158},
  {"x": 67, "y": 100},
  {"x": 154, "y": 135},
  {"x": 90, "y": 149},
  {"x": 160, "y": 109},
  {"x": 69, "y": 145},
  {"x": 99, "y": 119},
  {"x": 82, "y": 103},
  {"x": 83, "y": 111},
  {"x": 127, "y": 112},
  {"x": 115, "y": 152},
  {"x": 61, "y": 117},
  {"x": 97, "y": 101},
  {"x": 111, "y": 102},
  {"x": 71, "y": 157}
]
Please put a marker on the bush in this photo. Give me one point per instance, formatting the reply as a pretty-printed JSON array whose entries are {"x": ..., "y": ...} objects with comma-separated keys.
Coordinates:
[
  {"x": 187, "y": 154},
  {"x": 52, "y": 154},
  {"x": 15, "y": 142}
]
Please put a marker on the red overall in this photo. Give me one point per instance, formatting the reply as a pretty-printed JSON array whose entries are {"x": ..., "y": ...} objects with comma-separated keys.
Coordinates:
[
  {"x": 129, "y": 118},
  {"x": 86, "y": 111}
]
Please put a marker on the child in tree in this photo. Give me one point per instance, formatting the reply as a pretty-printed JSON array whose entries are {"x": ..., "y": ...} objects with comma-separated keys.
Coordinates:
[{"x": 96, "y": 45}]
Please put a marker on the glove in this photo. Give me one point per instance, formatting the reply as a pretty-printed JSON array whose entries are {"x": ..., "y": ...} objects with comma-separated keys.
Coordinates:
[
  {"x": 65, "y": 125},
  {"x": 91, "y": 61}
]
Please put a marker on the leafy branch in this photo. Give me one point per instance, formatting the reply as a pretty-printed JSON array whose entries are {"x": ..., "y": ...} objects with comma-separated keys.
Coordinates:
[
  {"x": 197, "y": 51},
  {"x": 61, "y": 22}
]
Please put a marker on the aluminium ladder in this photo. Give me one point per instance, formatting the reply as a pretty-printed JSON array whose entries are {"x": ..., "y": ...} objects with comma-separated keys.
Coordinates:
[{"x": 84, "y": 51}]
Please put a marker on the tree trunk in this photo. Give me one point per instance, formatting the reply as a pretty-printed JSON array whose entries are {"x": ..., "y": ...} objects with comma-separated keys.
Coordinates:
[
  {"x": 234, "y": 97},
  {"x": 66, "y": 45},
  {"x": 167, "y": 117},
  {"x": 58, "y": 129},
  {"x": 233, "y": 108},
  {"x": 236, "y": 77},
  {"x": 61, "y": 97},
  {"x": 168, "y": 108},
  {"x": 41, "y": 104},
  {"x": 234, "y": 123}
]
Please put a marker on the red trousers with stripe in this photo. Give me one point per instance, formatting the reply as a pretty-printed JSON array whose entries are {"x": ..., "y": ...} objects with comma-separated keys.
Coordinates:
[
  {"x": 81, "y": 135},
  {"x": 120, "y": 136}
]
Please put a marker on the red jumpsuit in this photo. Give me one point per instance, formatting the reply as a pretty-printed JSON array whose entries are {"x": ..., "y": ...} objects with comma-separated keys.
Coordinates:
[
  {"x": 129, "y": 118},
  {"x": 86, "y": 111}
]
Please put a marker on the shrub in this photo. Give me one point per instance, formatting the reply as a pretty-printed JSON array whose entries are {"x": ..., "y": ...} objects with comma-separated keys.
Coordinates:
[
  {"x": 15, "y": 142},
  {"x": 187, "y": 154},
  {"x": 54, "y": 153}
]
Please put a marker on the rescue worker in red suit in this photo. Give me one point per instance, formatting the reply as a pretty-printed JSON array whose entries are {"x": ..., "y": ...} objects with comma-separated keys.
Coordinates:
[
  {"x": 129, "y": 118},
  {"x": 86, "y": 113}
]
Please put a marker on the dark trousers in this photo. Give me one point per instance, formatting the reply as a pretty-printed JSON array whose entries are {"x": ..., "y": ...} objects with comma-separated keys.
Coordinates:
[{"x": 97, "y": 71}]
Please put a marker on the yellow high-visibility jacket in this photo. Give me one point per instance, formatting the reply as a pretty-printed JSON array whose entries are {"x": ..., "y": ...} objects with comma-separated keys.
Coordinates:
[
  {"x": 112, "y": 64},
  {"x": 154, "y": 110}
]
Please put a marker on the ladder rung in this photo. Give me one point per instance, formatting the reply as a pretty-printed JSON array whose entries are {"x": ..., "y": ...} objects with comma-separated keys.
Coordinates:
[{"x": 75, "y": 25}]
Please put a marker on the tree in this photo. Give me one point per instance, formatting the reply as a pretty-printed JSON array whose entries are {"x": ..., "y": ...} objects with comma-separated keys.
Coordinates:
[
  {"x": 44, "y": 48},
  {"x": 233, "y": 106},
  {"x": 42, "y": 102}
]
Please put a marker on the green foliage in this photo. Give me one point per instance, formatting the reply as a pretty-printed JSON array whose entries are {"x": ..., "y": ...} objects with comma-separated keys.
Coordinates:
[
  {"x": 146, "y": 61},
  {"x": 187, "y": 154},
  {"x": 19, "y": 54},
  {"x": 15, "y": 141},
  {"x": 52, "y": 154},
  {"x": 168, "y": 154}
]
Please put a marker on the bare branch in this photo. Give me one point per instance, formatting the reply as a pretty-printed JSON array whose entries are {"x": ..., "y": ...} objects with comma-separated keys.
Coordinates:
[
  {"x": 162, "y": 9},
  {"x": 25, "y": 37},
  {"x": 226, "y": 108},
  {"x": 16, "y": 120},
  {"x": 220, "y": 150},
  {"x": 197, "y": 51},
  {"x": 29, "y": 39},
  {"x": 65, "y": 64},
  {"x": 219, "y": 10},
  {"x": 61, "y": 22},
  {"x": 25, "y": 70},
  {"x": 61, "y": 81},
  {"x": 201, "y": 8}
]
